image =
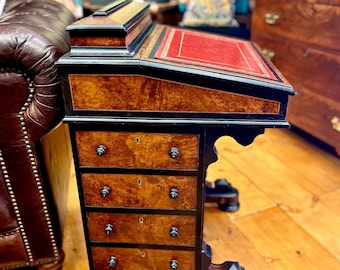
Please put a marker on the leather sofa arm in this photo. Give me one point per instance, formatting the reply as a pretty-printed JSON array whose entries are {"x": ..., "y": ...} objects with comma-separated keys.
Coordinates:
[{"x": 32, "y": 38}]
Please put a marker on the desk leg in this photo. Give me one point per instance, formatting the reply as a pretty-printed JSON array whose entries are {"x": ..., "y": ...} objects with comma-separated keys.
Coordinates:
[
  {"x": 207, "y": 265},
  {"x": 226, "y": 266},
  {"x": 224, "y": 194}
]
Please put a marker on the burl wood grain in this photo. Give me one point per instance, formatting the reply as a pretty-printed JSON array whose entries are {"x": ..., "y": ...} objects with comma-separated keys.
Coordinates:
[
  {"x": 112, "y": 23},
  {"x": 317, "y": 23},
  {"x": 137, "y": 150},
  {"x": 142, "y": 228},
  {"x": 139, "y": 93},
  {"x": 111, "y": 41},
  {"x": 141, "y": 259},
  {"x": 98, "y": 41},
  {"x": 140, "y": 191}
]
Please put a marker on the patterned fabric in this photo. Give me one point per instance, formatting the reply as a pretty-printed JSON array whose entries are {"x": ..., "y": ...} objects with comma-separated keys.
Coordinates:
[
  {"x": 76, "y": 6},
  {"x": 216, "y": 13}
]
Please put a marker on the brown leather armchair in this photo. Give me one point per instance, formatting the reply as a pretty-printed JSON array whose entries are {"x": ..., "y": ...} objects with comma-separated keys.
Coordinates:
[{"x": 32, "y": 38}]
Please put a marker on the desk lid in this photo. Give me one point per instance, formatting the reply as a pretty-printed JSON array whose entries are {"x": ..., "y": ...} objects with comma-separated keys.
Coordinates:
[{"x": 123, "y": 32}]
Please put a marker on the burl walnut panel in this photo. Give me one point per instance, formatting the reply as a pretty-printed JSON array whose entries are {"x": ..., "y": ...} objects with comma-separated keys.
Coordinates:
[
  {"x": 141, "y": 259},
  {"x": 139, "y": 93},
  {"x": 137, "y": 150},
  {"x": 142, "y": 228},
  {"x": 307, "y": 22},
  {"x": 144, "y": 191}
]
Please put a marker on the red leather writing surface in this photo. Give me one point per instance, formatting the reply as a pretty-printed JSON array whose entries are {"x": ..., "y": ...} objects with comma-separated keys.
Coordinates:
[{"x": 214, "y": 51}]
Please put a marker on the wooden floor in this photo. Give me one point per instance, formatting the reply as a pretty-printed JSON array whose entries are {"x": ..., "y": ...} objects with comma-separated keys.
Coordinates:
[{"x": 289, "y": 217}]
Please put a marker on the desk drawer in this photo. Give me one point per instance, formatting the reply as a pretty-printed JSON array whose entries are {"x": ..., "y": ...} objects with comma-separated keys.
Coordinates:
[
  {"x": 317, "y": 24},
  {"x": 137, "y": 150},
  {"x": 316, "y": 115},
  {"x": 146, "y": 191},
  {"x": 318, "y": 70},
  {"x": 141, "y": 259},
  {"x": 142, "y": 229}
]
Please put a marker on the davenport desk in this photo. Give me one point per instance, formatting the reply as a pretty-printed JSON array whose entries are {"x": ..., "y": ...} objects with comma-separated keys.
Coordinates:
[{"x": 145, "y": 104}]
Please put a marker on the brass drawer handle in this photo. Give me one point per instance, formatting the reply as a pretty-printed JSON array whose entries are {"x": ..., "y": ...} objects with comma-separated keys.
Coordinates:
[
  {"x": 269, "y": 53},
  {"x": 112, "y": 262},
  {"x": 174, "y": 153},
  {"x": 336, "y": 123},
  {"x": 173, "y": 264},
  {"x": 101, "y": 150},
  {"x": 271, "y": 18}
]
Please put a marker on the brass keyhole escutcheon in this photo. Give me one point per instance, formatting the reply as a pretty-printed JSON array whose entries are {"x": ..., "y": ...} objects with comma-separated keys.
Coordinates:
[{"x": 137, "y": 140}]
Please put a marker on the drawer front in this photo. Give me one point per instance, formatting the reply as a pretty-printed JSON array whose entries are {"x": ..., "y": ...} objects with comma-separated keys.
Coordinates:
[
  {"x": 142, "y": 229},
  {"x": 141, "y": 259},
  {"x": 137, "y": 150},
  {"x": 140, "y": 191},
  {"x": 316, "y": 69},
  {"x": 316, "y": 115},
  {"x": 142, "y": 94},
  {"x": 313, "y": 23}
]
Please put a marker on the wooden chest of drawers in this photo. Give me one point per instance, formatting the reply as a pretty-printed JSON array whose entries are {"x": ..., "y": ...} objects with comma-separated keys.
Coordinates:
[
  {"x": 143, "y": 131},
  {"x": 302, "y": 38}
]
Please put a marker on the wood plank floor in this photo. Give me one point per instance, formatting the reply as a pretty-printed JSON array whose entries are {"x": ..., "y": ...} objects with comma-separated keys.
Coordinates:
[{"x": 290, "y": 208}]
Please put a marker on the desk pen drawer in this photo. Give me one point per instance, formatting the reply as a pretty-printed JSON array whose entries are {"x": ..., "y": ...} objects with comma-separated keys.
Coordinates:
[
  {"x": 140, "y": 191},
  {"x": 141, "y": 259},
  {"x": 151, "y": 229},
  {"x": 137, "y": 150}
]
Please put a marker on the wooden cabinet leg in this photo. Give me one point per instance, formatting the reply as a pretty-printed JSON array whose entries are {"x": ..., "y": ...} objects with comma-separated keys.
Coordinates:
[
  {"x": 224, "y": 194},
  {"x": 226, "y": 266}
]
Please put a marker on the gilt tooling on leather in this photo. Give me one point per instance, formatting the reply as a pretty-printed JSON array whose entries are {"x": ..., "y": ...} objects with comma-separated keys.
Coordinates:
[{"x": 32, "y": 38}]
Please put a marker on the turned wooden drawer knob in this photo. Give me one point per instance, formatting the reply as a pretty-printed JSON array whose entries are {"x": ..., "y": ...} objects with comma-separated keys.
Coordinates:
[
  {"x": 108, "y": 229},
  {"x": 173, "y": 264},
  {"x": 105, "y": 191},
  {"x": 113, "y": 262},
  {"x": 174, "y": 152},
  {"x": 101, "y": 150},
  {"x": 271, "y": 18},
  {"x": 173, "y": 194},
  {"x": 174, "y": 232}
]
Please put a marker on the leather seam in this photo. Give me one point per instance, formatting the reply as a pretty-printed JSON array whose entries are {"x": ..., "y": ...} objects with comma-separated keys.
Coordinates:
[
  {"x": 34, "y": 168},
  {"x": 15, "y": 205}
]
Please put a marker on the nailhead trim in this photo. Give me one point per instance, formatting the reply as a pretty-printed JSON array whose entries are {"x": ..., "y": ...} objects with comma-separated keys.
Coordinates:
[
  {"x": 37, "y": 179},
  {"x": 34, "y": 166},
  {"x": 15, "y": 206}
]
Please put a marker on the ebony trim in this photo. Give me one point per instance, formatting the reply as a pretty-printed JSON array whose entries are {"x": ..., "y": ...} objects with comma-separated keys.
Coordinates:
[
  {"x": 110, "y": 8},
  {"x": 143, "y": 246}
]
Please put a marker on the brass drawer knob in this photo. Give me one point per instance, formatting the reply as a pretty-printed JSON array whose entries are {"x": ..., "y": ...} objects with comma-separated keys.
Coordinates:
[
  {"x": 112, "y": 262},
  {"x": 101, "y": 150},
  {"x": 174, "y": 232},
  {"x": 105, "y": 191},
  {"x": 173, "y": 194},
  {"x": 108, "y": 229},
  {"x": 271, "y": 18},
  {"x": 173, "y": 264},
  {"x": 335, "y": 123},
  {"x": 174, "y": 152},
  {"x": 269, "y": 53}
]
